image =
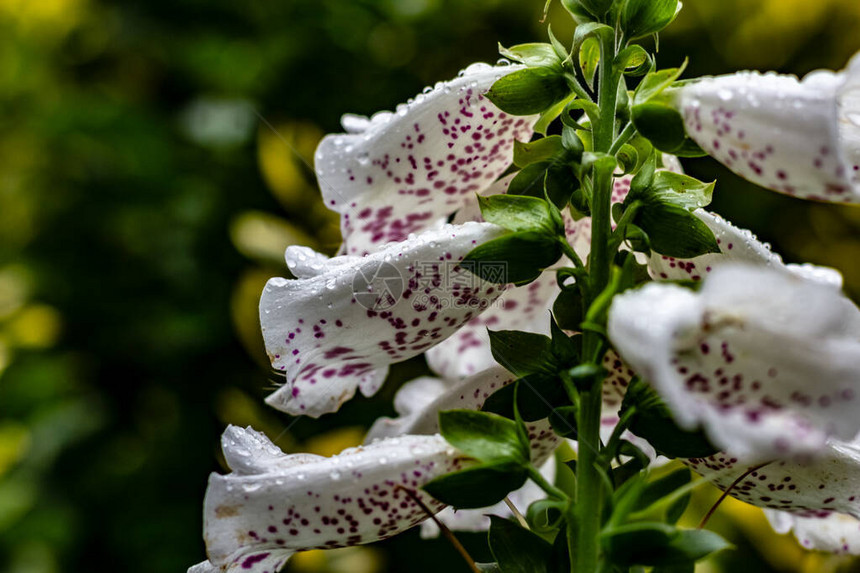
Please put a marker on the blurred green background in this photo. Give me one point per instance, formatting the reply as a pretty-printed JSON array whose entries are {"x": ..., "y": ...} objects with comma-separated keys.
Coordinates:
[{"x": 153, "y": 166}]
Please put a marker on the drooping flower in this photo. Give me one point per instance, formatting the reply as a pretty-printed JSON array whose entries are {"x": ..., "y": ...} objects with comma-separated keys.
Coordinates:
[
  {"x": 763, "y": 359},
  {"x": 796, "y": 137},
  {"x": 418, "y": 404},
  {"x": 797, "y": 494},
  {"x": 738, "y": 246},
  {"x": 403, "y": 172},
  {"x": 273, "y": 504},
  {"x": 344, "y": 320},
  {"x": 832, "y": 532}
]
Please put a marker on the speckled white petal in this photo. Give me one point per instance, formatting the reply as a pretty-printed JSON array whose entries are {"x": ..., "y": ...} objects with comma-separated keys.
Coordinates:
[
  {"x": 812, "y": 488},
  {"x": 835, "y": 533},
  {"x": 478, "y": 519},
  {"x": 340, "y": 327},
  {"x": 796, "y": 137},
  {"x": 204, "y": 567},
  {"x": 397, "y": 173},
  {"x": 419, "y": 402},
  {"x": 525, "y": 308},
  {"x": 736, "y": 245},
  {"x": 764, "y": 360},
  {"x": 254, "y": 522}
]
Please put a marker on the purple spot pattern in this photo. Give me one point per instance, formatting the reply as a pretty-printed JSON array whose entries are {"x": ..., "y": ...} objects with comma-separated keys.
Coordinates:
[
  {"x": 467, "y": 352},
  {"x": 778, "y": 132},
  {"x": 330, "y": 345},
  {"x": 814, "y": 488},
  {"x": 736, "y": 245},
  {"x": 405, "y": 171},
  {"x": 349, "y": 499},
  {"x": 736, "y": 358}
]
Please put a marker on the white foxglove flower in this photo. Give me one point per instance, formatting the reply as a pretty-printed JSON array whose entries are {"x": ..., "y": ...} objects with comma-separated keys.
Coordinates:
[
  {"x": 273, "y": 504},
  {"x": 832, "y": 532},
  {"x": 738, "y": 246},
  {"x": 764, "y": 360},
  {"x": 796, "y": 137},
  {"x": 418, "y": 404},
  {"x": 524, "y": 308},
  {"x": 344, "y": 320},
  {"x": 400, "y": 173},
  {"x": 812, "y": 489}
]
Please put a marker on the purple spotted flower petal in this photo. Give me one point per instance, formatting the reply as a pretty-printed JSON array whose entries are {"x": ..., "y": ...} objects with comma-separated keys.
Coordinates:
[
  {"x": 399, "y": 173},
  {"x": 523, "y": 308},
  {"x": 835, "y": 532},
  {"x": 418, "y": 404},
  {"x": 764, "y": 360},
  {"x": 736, "y": 245},
  {"x": 813, "y": 489},
  {"x": 273, "y": 505},
  {"x": 796, "y": 137},
  {"x": 338, "y": 327}
]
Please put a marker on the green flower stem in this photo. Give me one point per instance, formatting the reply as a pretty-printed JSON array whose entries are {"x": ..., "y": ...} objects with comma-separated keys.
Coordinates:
[
  {"x": 571, "y": 254},
  {"x": 585, "y": 518},
  {"x": 550, "y": 489},
  {"x": 626, "y": 135}
]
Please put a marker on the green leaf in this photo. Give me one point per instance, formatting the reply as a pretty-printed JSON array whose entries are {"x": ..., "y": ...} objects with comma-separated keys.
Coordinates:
[
  {"x": 487, "y": 437},
  {"x": 560, "y": 49},
  {"x": 634, "y": 60},
  {"x": 674, "y": 231},
  {"x": 518, "y": 213},
  {"x": 661, "y": 124},
  {"x": 659, "y": 544},
  {"x": 661, "y": 488},
  {"x": 541, "y": 150},
  {"x": 654, "y": 83},
  {"x": 628, "y": 158},
  {"x": 681, "y": 190},
  {"x": 545, "y": 515},
  {"x": 567, "y": 309},
  {"x": 480, "y": 486},
  {"x": 653, "y": 421},
  {"x": 522, "y": 353},
  {"x": 488, "y": 567},
  {"x": 589, "y": 58},
  {"x": 579, "y": 13},
  {"x": 641, "y": 18},
  {"x": 517, "y": 550},
  {"x": 690, "y": 149},
  {"x": 550, "y": 114},
  {"x": 565, "y": 349},
  {"x": 532, "y": 55},
  {"x": 536, "y": 395},
  {"x": 564, "y": 421},
  {"x": 517, "y": 258},
  {"x": 528, "y": 91},
  {"x": 595, "y": 7}
]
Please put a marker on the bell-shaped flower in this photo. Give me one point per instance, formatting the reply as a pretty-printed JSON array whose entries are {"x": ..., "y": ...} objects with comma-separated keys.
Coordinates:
[
  {"x": 344, "y": 320},
  {"x": 764, "y": 360},
  {"x": 832, "y": 532},
  {"x": 800, "y": 137},
  {"x": 273, "y": 505},
  {"x": 736, "y": 245},
  {"x": 418, "y": 404},
  {"x": 524, "y": 308},
  {"x": 400, "y": 173},
  {"x": 802, "y": 494}
]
